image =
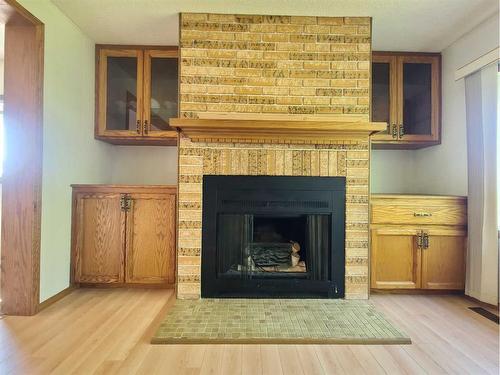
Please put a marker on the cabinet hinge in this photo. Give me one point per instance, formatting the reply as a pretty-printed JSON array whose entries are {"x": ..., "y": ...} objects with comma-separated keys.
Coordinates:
[{"x": 125, "y": 202}]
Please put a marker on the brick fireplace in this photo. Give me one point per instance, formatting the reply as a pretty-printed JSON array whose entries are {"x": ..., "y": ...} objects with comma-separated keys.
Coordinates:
[{"x": 272, "y": 68}]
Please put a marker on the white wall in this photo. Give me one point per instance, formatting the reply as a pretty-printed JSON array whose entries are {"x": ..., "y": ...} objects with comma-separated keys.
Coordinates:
[
  {"x": 392, "y": 171},
  {"x": 70, "y": 153},
  {"x": 443, "y": 169},
  {"x": 143, "y": 165}
]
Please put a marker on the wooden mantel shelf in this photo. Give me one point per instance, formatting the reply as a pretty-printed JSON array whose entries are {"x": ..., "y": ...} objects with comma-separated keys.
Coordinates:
[{"x": 318, "y": 131}]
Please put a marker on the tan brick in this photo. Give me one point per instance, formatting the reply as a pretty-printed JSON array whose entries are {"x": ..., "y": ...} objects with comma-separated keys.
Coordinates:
[
  {"x": 317, "y": 47},
  {"x": 344, "y": 65},
  {"x": 316, "y": 82},
  {"x": 357, "y": 20},
  {"x": 248, "y": 72},
  {"x": 194, "y": 16},
  {"x": 289, "y": 47},
  {"x": 261, "y": 81},
  {"x": 363, "y": 30},
  {"x": 364, "y": 47},
  {"x": 343, "y": 83},
  {"x": 304, "y": 91},
  {"x": 220, "y": 54},
  {"x": 362, "y": 83},
  {"x": 220, "y": 89},
  {"x": 318, "y": 65},
  {"x": 221, "y": 18},
  {"x": 190, "y": 160},
  {"x": 245, "y": 90},
  {"x": 188, "y": 260},
  {"x": 317, "y": 29},
  {"x": 289, "y": 100},
  {"x": 317, "y": 100},
  {"x": 249, "y": 54},
  {"x": 248, "y": 37},
  {"x": 275, "y": 109},
  {"x": 343, "y": 100},
  {"x": 330, "y": 20},
  {"x": 193, "y": 107},
  {"x": 344, "y": 47},
  {"x": 275, "y": 37},
  {"x": 301, "y": 20},
  {"x": 275, "y": 90},
  {"x": 302, "y": 73},
  {"x": 275, "y": 55},
  {"x": 218, "y": 35},
  {"x": 289, "y": 28},
  {"x": 263, "y": 28},
  {"x": 343, "y": 30}
]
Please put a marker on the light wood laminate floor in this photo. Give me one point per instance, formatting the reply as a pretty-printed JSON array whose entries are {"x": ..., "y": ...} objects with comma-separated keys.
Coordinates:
[{"x": 94, "y": 331}]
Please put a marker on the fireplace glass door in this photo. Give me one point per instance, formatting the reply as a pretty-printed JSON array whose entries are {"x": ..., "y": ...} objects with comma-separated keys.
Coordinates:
[{"x": 268, "y": 246}]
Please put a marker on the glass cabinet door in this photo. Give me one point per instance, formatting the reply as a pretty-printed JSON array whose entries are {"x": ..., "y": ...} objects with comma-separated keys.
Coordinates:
[
  {"x": 120, "y": 93},
  {"x": 419, "y": 93},
  {"x": 160, "y": 91},
  {"x": 384, "y": 94}
]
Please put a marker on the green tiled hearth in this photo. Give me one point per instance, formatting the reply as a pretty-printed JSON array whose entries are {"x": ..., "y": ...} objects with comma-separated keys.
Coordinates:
[{"x": 277, "y": 321}]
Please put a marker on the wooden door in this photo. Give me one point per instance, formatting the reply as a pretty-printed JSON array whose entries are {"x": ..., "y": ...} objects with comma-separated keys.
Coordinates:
[
  {"x": 384, "y": 95},
  {"x": 150, "y": 242},
  {"x": 99, "y": 238},
  {"x": 119, "y": 109},
  {"x": 419, "y": 97},
  {"x": 395, "y": 258},
  {"x": 443, "y": 261},
  {"x": 161, "y": 92}
]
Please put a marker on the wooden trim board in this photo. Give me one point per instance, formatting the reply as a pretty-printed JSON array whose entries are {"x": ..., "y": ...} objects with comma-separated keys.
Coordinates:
[
  {"x": 57, "y": 297},
  {"x": 289, "y": 130},
  {"x": 22, "y": 181}
]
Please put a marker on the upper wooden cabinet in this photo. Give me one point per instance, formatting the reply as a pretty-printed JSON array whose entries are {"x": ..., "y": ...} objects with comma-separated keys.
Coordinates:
[
  {"x": 137, "y": 93},
  {"x": 406, "y": 93}
]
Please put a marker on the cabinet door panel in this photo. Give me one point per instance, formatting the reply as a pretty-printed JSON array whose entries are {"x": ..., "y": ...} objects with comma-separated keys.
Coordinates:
[
  {"x": 100, "y": 234},
  {"x": 150, "y": 244},
  {"x": 419, "y": 97},
  {"x": 120, "y": 92},
  {"x": 443, "y": 262},
  {"x": 161, "y": 86},
  {"x": 395, "y": 259},
  {"x": 384, "y": 94}
]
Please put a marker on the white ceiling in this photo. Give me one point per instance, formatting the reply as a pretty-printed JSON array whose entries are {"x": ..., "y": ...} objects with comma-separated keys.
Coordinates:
[{"x": 398, "y": 25}]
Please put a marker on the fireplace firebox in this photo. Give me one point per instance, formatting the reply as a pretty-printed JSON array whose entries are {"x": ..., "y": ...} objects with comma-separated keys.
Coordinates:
[{"x": 273, "y": 236}]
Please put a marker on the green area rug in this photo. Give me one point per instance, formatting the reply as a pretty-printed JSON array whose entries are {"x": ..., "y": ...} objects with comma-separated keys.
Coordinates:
[{"x": 274, "y": 321}]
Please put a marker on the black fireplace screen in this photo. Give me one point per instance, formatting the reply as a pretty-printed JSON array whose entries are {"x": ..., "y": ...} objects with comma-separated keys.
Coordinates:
[
  {"x": 273, "y": 236},
  {"x": 269, "y": 246}
]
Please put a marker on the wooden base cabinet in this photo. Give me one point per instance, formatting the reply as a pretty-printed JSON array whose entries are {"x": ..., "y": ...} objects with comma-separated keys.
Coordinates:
[
  {"x": 124, "y": 234},
  {"x": 418, "y": 242}
]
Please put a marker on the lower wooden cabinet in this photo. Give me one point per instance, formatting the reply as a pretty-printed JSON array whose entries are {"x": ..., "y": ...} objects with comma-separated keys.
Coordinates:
[
  {"x": 124, "y": 234},
  {"x": 395, "y": 259},
  {"x": 418, "y": 242}
]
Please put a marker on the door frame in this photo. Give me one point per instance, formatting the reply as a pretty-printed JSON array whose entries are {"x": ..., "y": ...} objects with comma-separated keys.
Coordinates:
[{"x": 22, "y": 180}]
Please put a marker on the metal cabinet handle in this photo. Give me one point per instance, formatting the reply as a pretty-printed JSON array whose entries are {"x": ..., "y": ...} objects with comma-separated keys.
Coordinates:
[
  {"x": 425, "y": 240},
  {"x": 422, "y": 214},
  {"x": 394, "y": 131},
  {"x": 420, "y": 240},
  {"x": 401, "y": 130},
  {"x": 146, "y": 128}
]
